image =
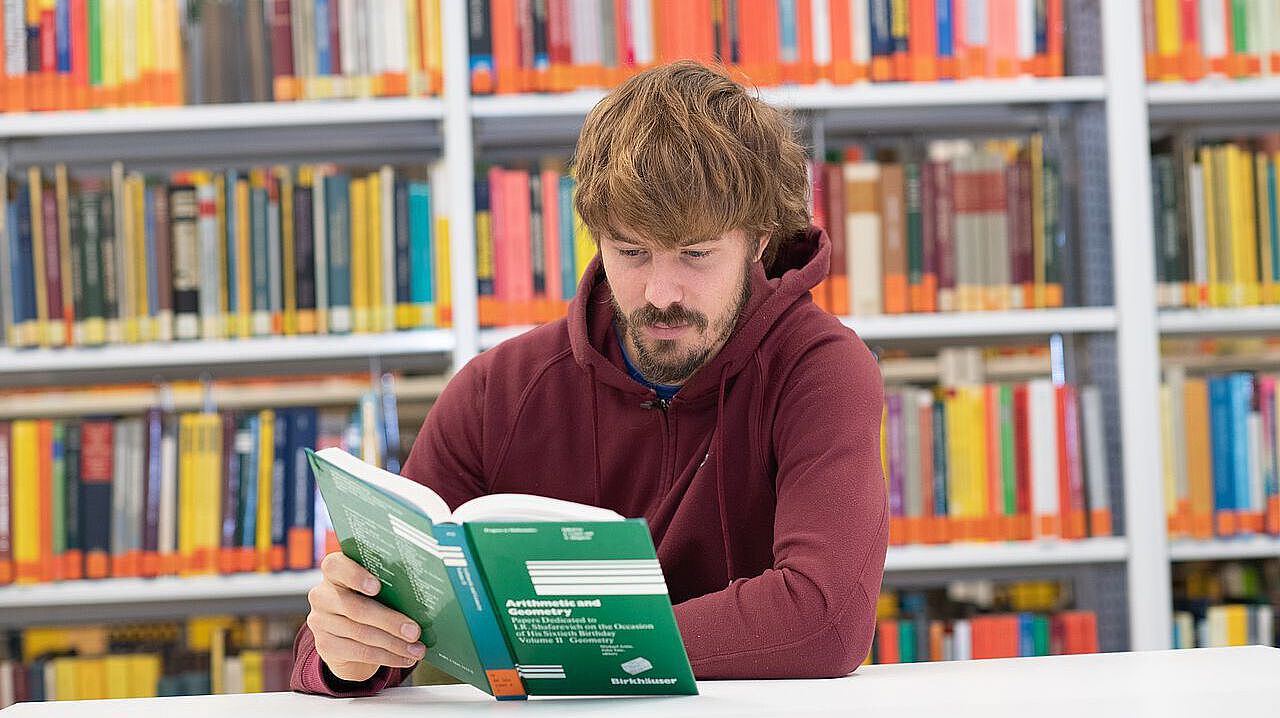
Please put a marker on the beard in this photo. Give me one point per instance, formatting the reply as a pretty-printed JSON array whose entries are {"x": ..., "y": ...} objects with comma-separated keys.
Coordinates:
[{"x": 663, "y": 361}]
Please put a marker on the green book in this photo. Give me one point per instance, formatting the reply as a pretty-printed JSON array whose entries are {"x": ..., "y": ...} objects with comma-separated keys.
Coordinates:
[{"x": 517, "y": 595}]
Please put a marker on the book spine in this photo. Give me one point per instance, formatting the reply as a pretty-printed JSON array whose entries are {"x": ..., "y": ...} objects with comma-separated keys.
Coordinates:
[
  {"x": 228, "y": 556},
  {"x": 338, "y": 221},
  {"x": 278, "y": 453},
  {"x": 421, "y": 261},
  {"x": 404, "y": 308},
  {"x": 96, "y": 467},
  {"x": 302, "y": 488},
  {"x": 289, "y": 261},
  {"x": 305, "y": 260},
  {"x": 492, "y": 648}
]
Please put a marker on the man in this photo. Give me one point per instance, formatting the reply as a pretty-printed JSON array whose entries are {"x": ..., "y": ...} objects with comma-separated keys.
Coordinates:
[{"x": 688, "y": 385}]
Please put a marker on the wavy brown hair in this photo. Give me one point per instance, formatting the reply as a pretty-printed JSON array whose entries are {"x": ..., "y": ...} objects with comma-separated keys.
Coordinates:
[{"x": 682, "y": 153}]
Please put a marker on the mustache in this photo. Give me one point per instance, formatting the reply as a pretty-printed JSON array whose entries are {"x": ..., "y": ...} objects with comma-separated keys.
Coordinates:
[{"x": 649, "y": 315}]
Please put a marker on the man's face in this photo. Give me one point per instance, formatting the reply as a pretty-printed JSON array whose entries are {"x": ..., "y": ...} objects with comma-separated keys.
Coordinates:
[{"x": 677, "y": 307}]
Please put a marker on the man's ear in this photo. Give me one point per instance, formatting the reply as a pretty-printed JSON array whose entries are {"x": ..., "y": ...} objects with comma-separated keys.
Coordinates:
[{"x": 761, "y": 244}]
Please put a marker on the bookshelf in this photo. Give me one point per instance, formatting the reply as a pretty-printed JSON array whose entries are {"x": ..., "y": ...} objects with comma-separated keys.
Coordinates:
[
  {"x": 1237, "y": 548},
  {"x": 462, "y": 128}
]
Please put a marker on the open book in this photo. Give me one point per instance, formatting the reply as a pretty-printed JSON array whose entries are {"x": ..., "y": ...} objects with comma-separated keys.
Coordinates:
[{"x": 517, "y": 595}]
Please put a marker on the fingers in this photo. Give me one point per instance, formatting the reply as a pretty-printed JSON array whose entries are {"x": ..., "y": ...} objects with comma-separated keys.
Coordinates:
[
  {"x": 341, "y": 601},
  {"x": 341, "y": 570},
  {"x": 367, "y": 636},
  {"x": 337, "y": 650}
]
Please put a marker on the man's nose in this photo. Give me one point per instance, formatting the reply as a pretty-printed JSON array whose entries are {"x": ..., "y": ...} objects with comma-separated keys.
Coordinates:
[{"x": 662, "y": 288}]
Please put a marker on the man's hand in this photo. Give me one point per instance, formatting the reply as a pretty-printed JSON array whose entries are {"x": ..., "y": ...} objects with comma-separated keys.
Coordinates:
[{"x": 355, "y": 635}]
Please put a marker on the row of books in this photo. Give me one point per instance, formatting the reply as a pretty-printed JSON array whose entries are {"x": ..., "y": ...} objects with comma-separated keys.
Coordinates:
[
  {"x": 557, "y": 45},
  {"x": 199, "y": 254},
  {"x": 82, "y": 54},
  {"x": 980, "y": 619},
  {"x": 1188, "y": 40},
  {"x": 1216, "y": 222},
  {"x": 1228, "y": 603},
  {"x": 531, "y": 246},
  {"x": 1219, "y": 440},
  {"x": 202, "y": 655},
  {"x": 951, "y": 226},
  {"x": 176, "y": 493},
  {"x": 998, "y": 462}
]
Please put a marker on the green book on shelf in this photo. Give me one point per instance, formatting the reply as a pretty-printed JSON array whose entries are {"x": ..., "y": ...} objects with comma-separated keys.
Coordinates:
[{"x": 517, "y": 595}]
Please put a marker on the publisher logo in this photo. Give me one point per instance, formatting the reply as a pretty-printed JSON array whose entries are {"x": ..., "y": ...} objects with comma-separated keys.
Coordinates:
[{"x": 636, "y": 666}]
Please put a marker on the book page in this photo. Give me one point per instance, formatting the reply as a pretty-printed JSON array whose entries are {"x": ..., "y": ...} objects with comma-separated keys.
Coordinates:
[
  {"x": 424, "y": 498},
  {"x": 526, "y": 507}
]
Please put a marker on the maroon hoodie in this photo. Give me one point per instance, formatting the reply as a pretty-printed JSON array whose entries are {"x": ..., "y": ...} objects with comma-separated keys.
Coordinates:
[{"x": 761, "y": 482}]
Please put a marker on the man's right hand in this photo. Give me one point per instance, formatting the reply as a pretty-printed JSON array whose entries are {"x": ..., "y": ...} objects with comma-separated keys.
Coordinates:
[{"x": 355, "y": 635}]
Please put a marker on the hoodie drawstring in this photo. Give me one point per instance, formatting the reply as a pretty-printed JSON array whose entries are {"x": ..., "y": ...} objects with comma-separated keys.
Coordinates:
[{"x": 720, "y": 461}]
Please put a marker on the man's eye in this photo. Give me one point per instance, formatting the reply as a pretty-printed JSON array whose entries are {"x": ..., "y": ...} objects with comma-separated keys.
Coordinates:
[
  {"x": 697, "y": 253},
  {"x": 631, "y": 252}
]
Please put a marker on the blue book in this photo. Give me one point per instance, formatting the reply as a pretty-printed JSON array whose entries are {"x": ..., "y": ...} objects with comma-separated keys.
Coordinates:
[
  {"x": 18, "y": 271},
  {"x": 421, "y": 258},
  {"x": 1220, "y": 445},
  {"x": 26, "y": 254},
  {"x": 248, "y": 439},
  {"x": 233, "y": 238},
  {"x": 788, "y": 41},
  {"x": 1026, "y": 634},
  {"x": 1241, "y": 401},
  {"x": 62, "y": 40},
  {"x": 568, "y": 256},
  {"x": 479, "y": 46},
  {"x": 324, "y": 51},
  {"x": 939, "y": 459},
  {"x": 280, "y": 494},
  {"x": 300, "y": 506},
  {"x": 260, "y": 248},
  {"x": 946, "y": 30},
  {"x": 337, "y": 204},
  {"x": 881, "y": 21},
  {"x": 1040, "y": 21}
]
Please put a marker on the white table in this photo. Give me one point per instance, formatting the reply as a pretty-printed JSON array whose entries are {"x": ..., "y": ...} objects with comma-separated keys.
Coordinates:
[{"x": 1204, "y": 683}]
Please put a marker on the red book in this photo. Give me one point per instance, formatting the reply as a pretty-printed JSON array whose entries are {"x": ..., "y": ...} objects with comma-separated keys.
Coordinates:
[
  {"x": 558, "y": 48},
  {"x": 44, "y": 468},
  {"x": 519, "y": 216},
  {"x": 1022, "y": 461},
  {"x": 833, "y": 182},
  {"x": 822, "y": 293},
  {"x": 1055, "y": 39},
  {"x": 550, "y": 187},
  {"x": 506, "y": 45},
  {"x": 1069, "y": 458},
  {"x": 284, "y": 86},
  {"x": 887, "y": 641},
  {"x": 79, "y": 95},
  {"x": 626, "y": 50},
  {"x": 943, "y": 224}
]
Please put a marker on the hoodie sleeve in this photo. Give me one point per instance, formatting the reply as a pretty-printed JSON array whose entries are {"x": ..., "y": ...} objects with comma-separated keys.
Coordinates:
[
  {"x": 446, "y": 457},
  {"x": 812, "y": 614}
]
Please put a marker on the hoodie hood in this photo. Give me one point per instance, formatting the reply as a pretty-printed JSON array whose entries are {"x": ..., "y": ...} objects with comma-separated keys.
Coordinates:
[{"x": 798, "y": 267}]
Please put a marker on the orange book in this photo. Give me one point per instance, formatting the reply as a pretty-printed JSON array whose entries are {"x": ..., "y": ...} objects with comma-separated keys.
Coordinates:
[
  {"x": 887, "y": 641},
  {"x": 771, "y": 50},
  {"x": 1055, "y": 40},
  {"x": 1192, "y": 63},
  {"x": 841, "y": 69},
  {"x": 1002, "y": 36},
  {"x": 923, "y": 48},
  {"x": 804, "y": 71},
  {"x": 506, "y": 46},
  {"x": 893, "y": 237}
]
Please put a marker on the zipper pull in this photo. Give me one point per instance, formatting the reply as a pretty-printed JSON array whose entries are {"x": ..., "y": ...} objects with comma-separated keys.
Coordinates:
[{"x": 661, "y": 404}]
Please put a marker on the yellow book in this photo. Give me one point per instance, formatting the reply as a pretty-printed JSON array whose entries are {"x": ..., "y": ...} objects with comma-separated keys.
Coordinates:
[
  {"x": 1168, "y": 39},
  {"x": 1199, "y": 468},
  {"x": 385, "y": 264},
  {"x": 978, "y": 455},
  {"x": 130, "y": 79},
  {"x": 93, "y": 678},
  {"x": 413, "y": 49},
  {"x": 227, "y": 320},
  {"x": 432, "y": 45},
  {"x": 35, "y": 183},
  {"x": 288, "y": 253},
  {"x": 1233, "y": 262},
  {"x": 244, "y": 283},
  {"x": 1209, "y": 177},
  {"x": 66, "y": 678},
  {"x": 1263, "y": 233},
  {"x": 440, "y": 244},
  {"x": 251, "y": 660},
  {"x": 137, "y": 184},
  {"x": 584, "y": 248},
  {"x": 217, "y": 663},
  {"x": 1245, "y": 234},
  {"x": 111, "y": 36},
  {"x": 266, "y": 455},
  {"x": 360, "y": 253},
  {"x": 144, "y": 39},
  {"x": 71, "y": 331},
  {"x": 25, "y": 487},
  {"x": 116, "y": 669},
  {"x": 186, "y": 493},
  {"x": 1237, "y": 625},
  {"x": 210, "y": 508},
  {"x": 144, "y": 675}
]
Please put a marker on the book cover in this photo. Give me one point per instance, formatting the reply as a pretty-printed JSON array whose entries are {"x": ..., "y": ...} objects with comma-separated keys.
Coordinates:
[{"x": 516, "y": 595}]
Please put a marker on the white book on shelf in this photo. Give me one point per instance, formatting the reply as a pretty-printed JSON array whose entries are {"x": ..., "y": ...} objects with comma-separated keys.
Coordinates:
[
  {"x": 820, "y": 22},
  {"x": 167, "y": 531},
  {"x": 860, "y": 32},
  {"x": 1176, "y": 378},
  {"x": 961, "y": 640},
  {"x": 862, "y": 234},
  {"x": 1026, "y": 34},
  {"x": 1042, "y": 412},
  {"x": 641, "y": 32},
  {"x": 1213, "y": 31},
  {"x": 1199, "y": 245},
  {"x": 210, "y": 261}
]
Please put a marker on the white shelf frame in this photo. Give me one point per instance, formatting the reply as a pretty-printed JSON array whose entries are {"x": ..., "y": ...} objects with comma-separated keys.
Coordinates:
[
  {"x": 976, "y": 325},
  {"x": 968, "y": 556},
  {"x": 1214, "y": 91},
  {"x": 240, "y": 116},
  {"x": 1214, "y": 321},
  {"x": 227, "y": 352},
  {"x": 832, "y": 97},
  {"x": 1243, "y": 547}
]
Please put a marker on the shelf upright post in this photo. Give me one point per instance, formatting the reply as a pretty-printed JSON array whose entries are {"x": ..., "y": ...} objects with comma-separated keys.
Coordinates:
[
  {"x": 1128, "y": 138},
  {"x": 460, "y": 170}
]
